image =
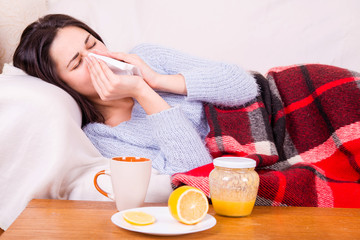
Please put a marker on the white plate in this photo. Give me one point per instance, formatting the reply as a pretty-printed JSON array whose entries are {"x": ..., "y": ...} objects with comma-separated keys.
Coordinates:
[{"x": 165, "y": 224}]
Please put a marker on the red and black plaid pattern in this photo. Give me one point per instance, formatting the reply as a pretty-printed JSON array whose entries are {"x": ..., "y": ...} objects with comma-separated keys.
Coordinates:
[{"x": 303, "y": 130}]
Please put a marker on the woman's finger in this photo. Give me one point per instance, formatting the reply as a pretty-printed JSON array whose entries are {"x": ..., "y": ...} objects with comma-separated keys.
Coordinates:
[
  {"x": 98, "y": 89},
  {"x": 107, "y": 71},
  {"x": 99, "y": 73},
  {"x": 93, "y": 72},
  {"x": 97, "y": 82}
]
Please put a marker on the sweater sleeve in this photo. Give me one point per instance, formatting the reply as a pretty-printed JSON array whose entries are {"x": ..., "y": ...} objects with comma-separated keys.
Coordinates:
[
  {"x": 207, "y": 81},
  {"x": 182, "y": 149}
]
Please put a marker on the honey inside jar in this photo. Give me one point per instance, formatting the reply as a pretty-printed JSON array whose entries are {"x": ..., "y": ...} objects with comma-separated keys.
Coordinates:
[
  {"x": 233, "y": 186},
  {"x": 232, "y": 208}
]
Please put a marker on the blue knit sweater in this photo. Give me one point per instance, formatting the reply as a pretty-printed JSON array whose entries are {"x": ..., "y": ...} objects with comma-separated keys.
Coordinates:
[{"x": 174, "y": 138}]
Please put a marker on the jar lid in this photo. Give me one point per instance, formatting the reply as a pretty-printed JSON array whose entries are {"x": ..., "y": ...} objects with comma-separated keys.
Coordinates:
[{"x": 234, "y": 162}]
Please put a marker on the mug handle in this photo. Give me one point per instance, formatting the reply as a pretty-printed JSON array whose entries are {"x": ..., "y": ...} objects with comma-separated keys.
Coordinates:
[{"x": 106, "y": 194}]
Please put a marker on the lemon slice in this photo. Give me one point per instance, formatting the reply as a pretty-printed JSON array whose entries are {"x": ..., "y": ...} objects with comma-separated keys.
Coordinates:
[
  {"x": 188, "y": 205},
  {"x": 138, "y": 218}
]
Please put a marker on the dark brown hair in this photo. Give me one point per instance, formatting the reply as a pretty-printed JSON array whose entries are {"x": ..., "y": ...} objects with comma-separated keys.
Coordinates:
[{"x": 33, "y": 56}]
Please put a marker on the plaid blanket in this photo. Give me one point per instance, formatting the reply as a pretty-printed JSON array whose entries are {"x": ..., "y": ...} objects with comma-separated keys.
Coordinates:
[{"x": 303, "y": 130}]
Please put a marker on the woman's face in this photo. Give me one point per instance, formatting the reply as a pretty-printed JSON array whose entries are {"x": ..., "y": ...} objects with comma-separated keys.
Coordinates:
[{"x": 68, "y": 50}]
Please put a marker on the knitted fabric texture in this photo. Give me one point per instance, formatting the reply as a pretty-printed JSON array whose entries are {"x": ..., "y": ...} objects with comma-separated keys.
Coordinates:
[{"x": 175, "y": 139}]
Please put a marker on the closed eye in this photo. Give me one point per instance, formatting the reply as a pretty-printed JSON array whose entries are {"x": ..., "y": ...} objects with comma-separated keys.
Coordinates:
[
  {"x": 80, "y": 61},
  {"x": 92, "y": 45},
  {"x": 77, "y": 65}
]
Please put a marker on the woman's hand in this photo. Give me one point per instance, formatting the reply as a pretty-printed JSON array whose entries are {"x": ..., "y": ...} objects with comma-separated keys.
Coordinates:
[
  {"x": 166, "y": 83},
  {"x": 150, "y": 76},
  {"x": 110, "y": 86}
]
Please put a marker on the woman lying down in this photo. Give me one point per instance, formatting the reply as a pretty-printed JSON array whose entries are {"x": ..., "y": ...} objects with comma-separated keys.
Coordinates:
[{"x": 157, "y": 114}]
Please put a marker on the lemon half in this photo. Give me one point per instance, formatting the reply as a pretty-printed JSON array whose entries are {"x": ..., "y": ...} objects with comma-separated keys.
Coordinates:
[{"x": 188, "y": 205}]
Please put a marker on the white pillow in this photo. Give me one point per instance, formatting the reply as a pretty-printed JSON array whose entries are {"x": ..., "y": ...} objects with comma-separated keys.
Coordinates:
[
  {"x": 44, "y": 152},
  {"x": 18, "y": 86},
  {"x": 257, "y": 35}
]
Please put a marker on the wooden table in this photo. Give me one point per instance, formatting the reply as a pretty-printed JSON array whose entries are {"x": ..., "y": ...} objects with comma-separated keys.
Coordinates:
[{"x": 60, "y": 219}]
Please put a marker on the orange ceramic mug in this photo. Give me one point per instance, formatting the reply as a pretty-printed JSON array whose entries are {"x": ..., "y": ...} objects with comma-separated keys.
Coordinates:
[{"x": 130, "y": 177}]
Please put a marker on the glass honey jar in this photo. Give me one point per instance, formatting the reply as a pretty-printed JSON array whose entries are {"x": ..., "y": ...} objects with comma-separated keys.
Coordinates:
[{"x": 233, "y": 186}]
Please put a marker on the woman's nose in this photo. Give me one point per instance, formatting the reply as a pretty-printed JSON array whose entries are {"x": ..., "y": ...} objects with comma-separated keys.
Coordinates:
[{"x": 85, "y": 53}]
